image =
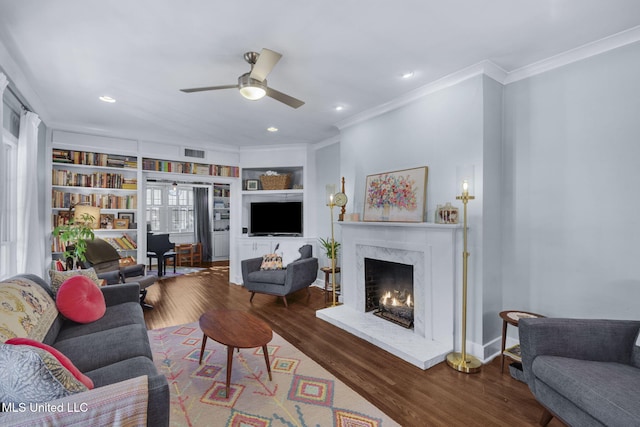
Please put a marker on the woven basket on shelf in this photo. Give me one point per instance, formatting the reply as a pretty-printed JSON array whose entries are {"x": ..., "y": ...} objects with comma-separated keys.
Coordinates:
[{"x": 275, "y": 182}]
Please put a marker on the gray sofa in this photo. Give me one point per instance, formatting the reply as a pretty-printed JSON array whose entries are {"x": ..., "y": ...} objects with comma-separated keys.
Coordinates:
[
  {"x": 586, "y": 372},
  {"x": 297, "y": 275},
  {"x": 112, "y": 349}
]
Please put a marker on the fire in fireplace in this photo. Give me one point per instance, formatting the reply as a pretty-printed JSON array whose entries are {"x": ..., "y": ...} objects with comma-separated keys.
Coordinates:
[{"x": 388, "y": 290}]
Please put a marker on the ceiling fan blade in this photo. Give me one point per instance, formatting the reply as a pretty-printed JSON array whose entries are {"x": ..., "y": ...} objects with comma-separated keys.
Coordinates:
[
  {"x": 265, "y": 63},
  {"x": 284, "y": 98},
  {"x": 201, "y": 89}
]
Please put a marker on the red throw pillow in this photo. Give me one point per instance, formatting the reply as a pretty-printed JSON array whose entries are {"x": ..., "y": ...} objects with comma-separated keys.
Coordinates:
[
  {"x": 80, "y": 300},
  {"x": 64, "y": 360}
]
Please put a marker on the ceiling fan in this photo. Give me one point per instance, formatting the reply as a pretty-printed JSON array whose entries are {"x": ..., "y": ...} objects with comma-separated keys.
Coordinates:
[{"x": 253, "y": 85}]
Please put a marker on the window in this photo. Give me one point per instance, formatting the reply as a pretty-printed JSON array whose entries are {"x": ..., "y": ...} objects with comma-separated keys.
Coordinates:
[
  {"x": 8, "y": 200},
  {"x": 169, "y": 210}
]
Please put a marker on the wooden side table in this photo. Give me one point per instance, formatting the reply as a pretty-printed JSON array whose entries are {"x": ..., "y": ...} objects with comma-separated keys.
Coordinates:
[
  {"x": 511, "y": 317},
  {"x": 327, "y": 282}
]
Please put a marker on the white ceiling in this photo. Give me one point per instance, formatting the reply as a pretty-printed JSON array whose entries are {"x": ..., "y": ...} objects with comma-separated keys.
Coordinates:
[{"x": 347, "y": 52}]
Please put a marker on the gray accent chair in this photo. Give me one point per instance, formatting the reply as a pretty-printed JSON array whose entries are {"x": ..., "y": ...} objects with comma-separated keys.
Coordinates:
[
  {"x": 585, "y": 372},
  {"x": 297, "y": 275}
]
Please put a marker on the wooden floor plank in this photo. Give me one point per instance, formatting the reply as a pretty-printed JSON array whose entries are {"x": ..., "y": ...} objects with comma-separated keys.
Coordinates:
[{"x": 438, "y": 396}]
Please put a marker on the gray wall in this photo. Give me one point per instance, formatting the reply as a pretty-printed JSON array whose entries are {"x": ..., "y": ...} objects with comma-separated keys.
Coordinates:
[
  {"x": 571, "y": 160},
  {"x": 443, "y": 131},
  {"x": 327, "y": 161}
]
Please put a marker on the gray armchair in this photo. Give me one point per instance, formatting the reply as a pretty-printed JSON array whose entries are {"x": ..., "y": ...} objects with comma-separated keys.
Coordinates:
[
  {"x": 586, "y": 372},
  {"x": 297, "y": 275}
]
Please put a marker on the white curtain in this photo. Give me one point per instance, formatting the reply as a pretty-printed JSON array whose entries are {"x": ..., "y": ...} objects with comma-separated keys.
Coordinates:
[
  {"x": 31, "y": 253},
  {"x": 3, "y": 84}
]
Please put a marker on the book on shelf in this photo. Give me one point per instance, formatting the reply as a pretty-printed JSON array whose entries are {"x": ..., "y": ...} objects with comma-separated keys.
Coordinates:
[
  {"x": 190, "y": 168},
  {"x": 93, "y": 159},
  {"x": 63, "y": 199},
  {"x": 122, "y": 243},
  {"x": 98, "y": 179}
]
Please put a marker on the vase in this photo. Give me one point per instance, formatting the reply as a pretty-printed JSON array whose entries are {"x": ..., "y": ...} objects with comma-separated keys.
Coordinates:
[{"x": 386, "y": 212}]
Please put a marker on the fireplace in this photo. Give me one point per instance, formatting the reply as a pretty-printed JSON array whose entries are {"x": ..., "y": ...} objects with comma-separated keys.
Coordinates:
[
  {"x": 429, "y": 251},
  {"x": 388, "y": 290}
]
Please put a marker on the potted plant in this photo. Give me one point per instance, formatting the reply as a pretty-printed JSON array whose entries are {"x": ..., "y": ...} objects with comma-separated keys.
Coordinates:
[
  {"x": 75, "y": 234},
  {"x": 330, "y": 249}
]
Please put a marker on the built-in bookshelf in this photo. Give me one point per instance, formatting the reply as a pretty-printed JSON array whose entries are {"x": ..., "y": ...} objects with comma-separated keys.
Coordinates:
[
  {"x": 103, "y": 180},
  {"x": 158, "y": 165}
]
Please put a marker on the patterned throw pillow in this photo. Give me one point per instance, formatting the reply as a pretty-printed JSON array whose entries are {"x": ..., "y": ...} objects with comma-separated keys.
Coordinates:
[
  {"x": 26, "y": 310},
  {"x": 30, "y": 374},
  {"x": 58, "y": 277},
  {"x": 64, "y": 360},
  {"x": 271, "y": 262}
]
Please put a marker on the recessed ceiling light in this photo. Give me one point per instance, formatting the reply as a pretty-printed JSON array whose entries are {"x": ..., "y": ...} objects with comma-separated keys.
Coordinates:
[
  {"x": 272, "y": 129},
  {"x": 105, "y": 98},
  {"x": 407, "y": 75}
]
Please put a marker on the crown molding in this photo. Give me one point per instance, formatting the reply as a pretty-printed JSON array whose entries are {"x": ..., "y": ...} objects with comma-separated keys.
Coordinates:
[
  {"x": 20, "y": 84},
  {"x": 588, "y": 50},
  {"x": 326, "y": 142},
  {"x": 500, "y": 75},
  {"x": 485, "y": 67}
]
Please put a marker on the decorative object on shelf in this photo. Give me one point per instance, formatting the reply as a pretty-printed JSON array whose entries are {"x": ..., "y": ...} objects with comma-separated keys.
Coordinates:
[
  {"x": 106, "y": 221},
  {"x": 398, "y": 196},
  {"x": 272, "y": 180},
  {"x": 79, "y": 211},
  {"x": 127, "y": 215},
  {"x": 333, "y": 246},
  {"x": 462, "y": 361},
  {"x": 340, "y": 200},
  {"x": 120, "y": 223},
  {"x": 75, "y": 235},
  {"x": 330, "y": 248},
  {"x": 252, "y": 184},
  {"x": 446, "y": 214}
]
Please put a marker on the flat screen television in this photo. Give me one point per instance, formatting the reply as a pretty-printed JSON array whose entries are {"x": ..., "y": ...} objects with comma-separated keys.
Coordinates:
[{"x": 275, "y": 219}]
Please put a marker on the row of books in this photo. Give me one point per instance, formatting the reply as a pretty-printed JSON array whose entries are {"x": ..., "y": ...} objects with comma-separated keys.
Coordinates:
[
  {"x": 97, "y": 179},
  {"x": 94, "y": 159},
  {"x": 62, "y": 199},
  {"x": 123, "y": 243},
  {"x": 190, "y": 168}
]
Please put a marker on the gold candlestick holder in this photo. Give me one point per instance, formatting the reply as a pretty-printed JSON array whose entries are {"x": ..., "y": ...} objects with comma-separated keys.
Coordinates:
[
  {"x": 462, "y": 361},
  {"x": 333, "y": 255}
]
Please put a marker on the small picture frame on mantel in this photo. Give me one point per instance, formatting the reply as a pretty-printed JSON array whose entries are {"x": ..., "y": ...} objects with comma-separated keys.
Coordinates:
[{"x": 252, "y": 184}]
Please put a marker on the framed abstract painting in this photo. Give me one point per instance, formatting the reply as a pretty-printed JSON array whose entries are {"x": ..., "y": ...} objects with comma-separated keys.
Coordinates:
[{"x": 398, "y": 196}]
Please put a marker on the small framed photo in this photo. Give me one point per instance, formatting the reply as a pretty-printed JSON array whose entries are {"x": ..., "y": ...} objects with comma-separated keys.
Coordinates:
[
  {"x": 121, "y": 223},
  {"x": 106, "y": 220},
  {"x": 252, "y": 184},
  {"x": 127, "y": 215}
]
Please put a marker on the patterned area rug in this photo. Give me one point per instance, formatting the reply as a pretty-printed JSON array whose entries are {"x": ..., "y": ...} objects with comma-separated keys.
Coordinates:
[{"x": 301, "y": 394}]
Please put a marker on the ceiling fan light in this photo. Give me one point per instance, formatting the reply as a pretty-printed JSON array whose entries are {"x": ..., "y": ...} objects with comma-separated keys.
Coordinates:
[
  {"x": 251, "y": 88},
  {"x": 253, "y": 92}
]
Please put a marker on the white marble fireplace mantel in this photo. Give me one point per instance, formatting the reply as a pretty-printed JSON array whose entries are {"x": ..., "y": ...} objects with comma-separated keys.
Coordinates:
[{"x": 431, "y": 249}]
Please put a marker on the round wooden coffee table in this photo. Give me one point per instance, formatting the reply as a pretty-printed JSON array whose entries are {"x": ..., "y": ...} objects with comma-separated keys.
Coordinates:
[{"x": 235, "y": 329}]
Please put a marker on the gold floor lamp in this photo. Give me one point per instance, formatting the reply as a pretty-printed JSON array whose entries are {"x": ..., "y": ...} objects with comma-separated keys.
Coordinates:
[{"x": 462, "y": 361}]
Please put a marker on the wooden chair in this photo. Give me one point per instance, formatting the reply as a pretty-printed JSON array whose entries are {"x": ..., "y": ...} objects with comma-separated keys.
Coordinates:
[
  {"x": 196, "y": 254},
  {"x": 184, "y": 254}
]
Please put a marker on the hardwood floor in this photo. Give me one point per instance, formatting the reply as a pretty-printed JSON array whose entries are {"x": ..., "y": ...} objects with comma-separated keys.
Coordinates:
[{"x": 438, "y": 396}]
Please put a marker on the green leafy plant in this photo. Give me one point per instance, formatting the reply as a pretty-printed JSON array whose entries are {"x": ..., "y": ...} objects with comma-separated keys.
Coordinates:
[
  {"x": 329, "y": 249},
  {"x": 75, "y": 236}
]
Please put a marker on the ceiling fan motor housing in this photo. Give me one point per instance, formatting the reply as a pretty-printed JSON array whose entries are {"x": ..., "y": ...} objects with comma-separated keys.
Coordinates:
[{"x": 251, "y": 88}]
